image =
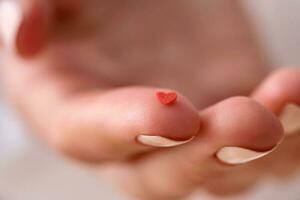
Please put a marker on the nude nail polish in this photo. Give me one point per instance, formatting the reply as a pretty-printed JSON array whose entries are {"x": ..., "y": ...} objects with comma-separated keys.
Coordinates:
[
  {"x": 290, "y": 119},
  {"x": 10, "y": 19},
  {"x": 238, "y": 155},
  {"x": 158, "y": 141}
]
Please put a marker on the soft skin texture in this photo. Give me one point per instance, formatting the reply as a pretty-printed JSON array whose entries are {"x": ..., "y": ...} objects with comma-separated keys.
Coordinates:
[{"x": 86, "y": 83}]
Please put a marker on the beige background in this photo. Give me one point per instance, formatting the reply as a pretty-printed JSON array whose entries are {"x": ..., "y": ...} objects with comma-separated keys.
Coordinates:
[{"x": 29, "y": 171}]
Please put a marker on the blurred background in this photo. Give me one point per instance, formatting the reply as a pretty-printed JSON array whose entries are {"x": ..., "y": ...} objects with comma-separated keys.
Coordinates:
[{"x": 30, "y": 171}]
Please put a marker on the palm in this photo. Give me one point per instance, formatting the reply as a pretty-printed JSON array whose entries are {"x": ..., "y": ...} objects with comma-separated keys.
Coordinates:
[{"x": 160, "y": 44}]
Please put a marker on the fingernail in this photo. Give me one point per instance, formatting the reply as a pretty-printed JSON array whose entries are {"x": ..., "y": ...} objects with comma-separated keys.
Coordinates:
[
  {"x": 10, "y": 19},
  {"x": 238, "y": 155},
  {"x": 158, "y": 141},
  {"x": 290, "y": 119}
]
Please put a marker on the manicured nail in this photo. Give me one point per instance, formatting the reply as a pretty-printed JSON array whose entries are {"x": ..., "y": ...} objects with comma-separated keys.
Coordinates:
[
  {"x": 158, "y": 141},
  {"x": 290, "y": 119},
  {"x": 238, "y": 155},
  {"x": 10, "y": 19}
]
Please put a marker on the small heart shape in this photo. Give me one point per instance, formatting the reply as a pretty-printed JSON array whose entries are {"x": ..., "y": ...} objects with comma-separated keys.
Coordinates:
[{"x": 166, "y": 98}]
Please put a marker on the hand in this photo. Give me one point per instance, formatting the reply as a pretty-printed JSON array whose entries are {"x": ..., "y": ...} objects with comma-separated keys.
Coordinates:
[{"x": 74, "y": 70}]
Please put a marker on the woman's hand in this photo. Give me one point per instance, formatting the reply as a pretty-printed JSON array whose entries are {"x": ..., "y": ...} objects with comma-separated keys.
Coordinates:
[{"x": 85, "y": 76}]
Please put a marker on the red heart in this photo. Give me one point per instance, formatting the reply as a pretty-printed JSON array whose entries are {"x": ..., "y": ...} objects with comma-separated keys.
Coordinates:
[{"x": 166, "y": 98}]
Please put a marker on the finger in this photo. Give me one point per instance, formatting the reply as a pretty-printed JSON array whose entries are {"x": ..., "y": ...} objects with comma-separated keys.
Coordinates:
[
  {"x": 235, "y": 131},
  {"x": 97, "y": 123},
  {"x": 123, "y": 122},
  {"x": 280, "y": 92},
  {"x": 25, "y": 25}
]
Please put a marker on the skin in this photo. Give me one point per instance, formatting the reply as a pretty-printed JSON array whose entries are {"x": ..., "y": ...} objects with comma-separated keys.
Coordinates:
[{"x": 67, "y": 76}]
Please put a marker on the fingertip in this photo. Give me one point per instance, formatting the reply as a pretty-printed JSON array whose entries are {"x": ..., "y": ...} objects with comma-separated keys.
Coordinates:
[
  {"x": 280, "y": 88},
  {"x": 178, "y": 120},
  {"x": 242, "y": 122},
  {"x": 147, "y": 115},
  {"x": 33, "y": 33}
]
